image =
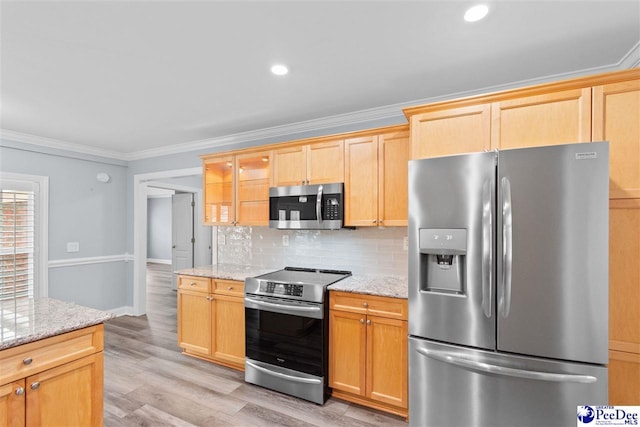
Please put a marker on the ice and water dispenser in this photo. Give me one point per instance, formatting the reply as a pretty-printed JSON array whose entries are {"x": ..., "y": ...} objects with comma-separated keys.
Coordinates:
[{"x": 442, "y": 260}]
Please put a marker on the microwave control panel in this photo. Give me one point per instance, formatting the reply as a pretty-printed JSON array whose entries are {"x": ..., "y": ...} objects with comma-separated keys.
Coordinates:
[
  {"x": 332, "y": 208},
  {"x": 276, "y": 288}
]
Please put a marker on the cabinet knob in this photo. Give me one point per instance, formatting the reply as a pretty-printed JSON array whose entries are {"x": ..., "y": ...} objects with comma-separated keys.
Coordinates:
[
  {"x": 375, "y": 221},
  {"x": 368, "y": 322},
  {"x": 19, "y": 391},
  {"x": 365, "y": 304},
  {"x": 361, "y": 320},
  {"x": 209, "y": 298},
  {"x": 35, "y": 386},
  {"x": 27, "y": 361},
  {"x": 230, "y": 288}
]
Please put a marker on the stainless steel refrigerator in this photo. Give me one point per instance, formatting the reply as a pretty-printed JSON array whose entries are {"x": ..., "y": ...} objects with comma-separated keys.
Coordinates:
[{"x": 508, "y": 286}]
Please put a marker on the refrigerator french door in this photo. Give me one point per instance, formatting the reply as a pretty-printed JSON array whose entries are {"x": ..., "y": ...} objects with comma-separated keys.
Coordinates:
[{"x": 508, "y": 285}]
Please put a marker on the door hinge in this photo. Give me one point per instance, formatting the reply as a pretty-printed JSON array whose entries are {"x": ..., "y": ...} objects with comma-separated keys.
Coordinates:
[
  {"x": 193, "y": 204},
  {"x": 193, "y": 240}
]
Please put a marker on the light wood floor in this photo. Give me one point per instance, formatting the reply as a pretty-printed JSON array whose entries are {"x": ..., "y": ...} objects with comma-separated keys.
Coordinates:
[{"x": 148, "y": 382}]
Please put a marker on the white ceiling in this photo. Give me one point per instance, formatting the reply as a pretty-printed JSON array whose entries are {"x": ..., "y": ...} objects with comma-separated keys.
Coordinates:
[{"x": 134, "y": 76}]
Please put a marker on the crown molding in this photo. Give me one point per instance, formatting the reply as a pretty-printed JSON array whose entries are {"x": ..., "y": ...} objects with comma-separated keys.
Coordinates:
[
  {"x": 391, "y": 112},
  {"x": 631, "y": 59},
  {"x": 353, "y": 118},
  {"x": 61, "y": 145}
]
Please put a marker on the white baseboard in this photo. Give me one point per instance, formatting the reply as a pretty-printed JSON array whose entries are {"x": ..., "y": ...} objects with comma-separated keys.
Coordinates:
[
  {"x": 159, "y": 261},
  {"x": 122, "y": 311}
]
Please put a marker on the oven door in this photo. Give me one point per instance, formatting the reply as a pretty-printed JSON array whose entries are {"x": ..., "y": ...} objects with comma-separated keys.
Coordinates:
[{"x": 286, "y": 333}]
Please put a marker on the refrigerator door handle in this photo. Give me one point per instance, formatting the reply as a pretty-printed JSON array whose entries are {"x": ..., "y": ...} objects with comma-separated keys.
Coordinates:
[
  {"x": 446, "y": 357},
  {"x": 504, "y": 300},
  {"x": 487, "y": 247}
]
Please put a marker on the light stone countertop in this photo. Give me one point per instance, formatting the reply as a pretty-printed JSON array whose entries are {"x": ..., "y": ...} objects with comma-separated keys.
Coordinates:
[
  {"x": 384, "y": 286},
  {"x": 31, "y": 319},
  {"x": 387, "y": 286},
  {"x": 225, "y": 271}
]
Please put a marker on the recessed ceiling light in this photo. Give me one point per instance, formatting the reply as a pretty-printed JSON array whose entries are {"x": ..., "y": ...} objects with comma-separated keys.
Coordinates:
[
  {"x": 279, "y": 70},
  {"x": 476, "y": 13}
]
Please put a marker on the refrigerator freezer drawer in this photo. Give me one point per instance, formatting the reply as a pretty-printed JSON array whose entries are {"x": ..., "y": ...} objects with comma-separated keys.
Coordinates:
[{"x": 455, "y": 386}]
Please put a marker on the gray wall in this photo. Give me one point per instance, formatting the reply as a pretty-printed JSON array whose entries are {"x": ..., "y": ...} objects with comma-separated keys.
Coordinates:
[
  {"x": 159, "y": 228},
  {"x": 83, "y": 210}
]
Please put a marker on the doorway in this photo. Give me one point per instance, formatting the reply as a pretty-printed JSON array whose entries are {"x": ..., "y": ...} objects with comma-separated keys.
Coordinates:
[{"x": 172, "y": 180}]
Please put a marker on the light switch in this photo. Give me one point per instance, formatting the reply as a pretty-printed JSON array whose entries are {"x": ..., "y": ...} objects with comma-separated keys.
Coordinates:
[
  {"x": 73, "y": 246},
  {"x": 285, "y": 240},
  {"x": 222, "y": 240}
]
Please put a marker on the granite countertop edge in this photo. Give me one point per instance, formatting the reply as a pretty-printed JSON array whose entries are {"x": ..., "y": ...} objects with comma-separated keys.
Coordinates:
[
  {"x": 35, "y": 319},
  {"x": 371, "y": 284},
  {"x": 225, "y": 271},
  {"x": 377, "y": 285}
]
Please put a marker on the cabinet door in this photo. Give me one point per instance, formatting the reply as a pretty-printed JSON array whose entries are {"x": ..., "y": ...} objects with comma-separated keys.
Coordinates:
[
  {"x": 624, "y": 377},
  {"x": 361, "y": 183},
  {"x": 69, "y": 395},
  {"x": 347, "y": 351},
  {"x": 549, "y": 119},
  {"x": 616, "y": 118},
  {"x": 290, "y": 166},
  {"x": 325, "y": 162},
  {"x": 218, "y": 191},
  {"x": 12, "y": 409},
  {"x": 624, "y": 275},
  {"x": 393, "y": 162},
  {"x": 253, "y": 178},
  {"x": 452, "y": 131},
  {"x": 386, "y": 377},
  {"x": 228, "y": 333},
  {"x": 194, "y": 321}
]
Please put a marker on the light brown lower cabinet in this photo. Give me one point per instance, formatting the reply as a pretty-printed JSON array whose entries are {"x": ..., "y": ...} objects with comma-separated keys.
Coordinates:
[
  {"x": 368, "y": 350},
  {"x": 56, "y": 381},
  {"x": 211, "y": 320}
]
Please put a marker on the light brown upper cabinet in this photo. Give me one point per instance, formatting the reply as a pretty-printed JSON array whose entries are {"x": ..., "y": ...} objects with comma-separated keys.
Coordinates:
[
  {"x": 376, "y": 179},
  {"x": 252, "y": 190},
  {"x": 316, "y": 163},
  {"x": 237, "y": 189},
  {"x": 616, "y": 118},
  {"x": 547, "y": 119},
  {"x": 451, "y": 131},
  {"x": 218, "y": 190}
]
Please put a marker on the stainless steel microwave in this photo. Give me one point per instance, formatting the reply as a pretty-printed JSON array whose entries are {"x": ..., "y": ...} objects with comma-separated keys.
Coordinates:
[{"x": 307, "y": 207}]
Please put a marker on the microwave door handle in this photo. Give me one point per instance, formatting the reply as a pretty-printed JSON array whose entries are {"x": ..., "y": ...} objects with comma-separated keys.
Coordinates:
[{"x": 319, "y": 205}]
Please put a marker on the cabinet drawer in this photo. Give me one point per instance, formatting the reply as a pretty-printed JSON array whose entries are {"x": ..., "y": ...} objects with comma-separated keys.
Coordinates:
[
  {"x": 29, "y": 359},
  {"x": 229, "y": 287},
  {"x": 395, "y": 308},
  {"x": 193, "y": 283}
]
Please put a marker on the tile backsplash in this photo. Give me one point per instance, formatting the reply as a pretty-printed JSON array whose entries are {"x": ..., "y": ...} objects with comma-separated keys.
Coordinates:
[{"x": 362, "y": 251}]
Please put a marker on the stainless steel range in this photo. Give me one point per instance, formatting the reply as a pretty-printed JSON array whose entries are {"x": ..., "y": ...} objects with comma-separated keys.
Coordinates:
[{"x": 286, "y": 317}]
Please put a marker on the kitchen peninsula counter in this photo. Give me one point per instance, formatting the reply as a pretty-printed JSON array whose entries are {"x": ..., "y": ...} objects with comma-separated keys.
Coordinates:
[
  {"x": 383, "y": 286},
  {"x": 31, "y": 319}
]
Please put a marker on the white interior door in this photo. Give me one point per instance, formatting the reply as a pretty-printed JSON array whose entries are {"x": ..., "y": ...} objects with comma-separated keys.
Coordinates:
[{"x": 182, "y": 233}]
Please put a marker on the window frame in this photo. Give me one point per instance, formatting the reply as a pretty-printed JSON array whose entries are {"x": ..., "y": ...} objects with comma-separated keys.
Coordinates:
[{"x": 40, "y": 184}]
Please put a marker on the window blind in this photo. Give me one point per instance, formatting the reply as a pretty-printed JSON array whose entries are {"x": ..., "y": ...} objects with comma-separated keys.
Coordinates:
[{"x": 17, "y": 235}]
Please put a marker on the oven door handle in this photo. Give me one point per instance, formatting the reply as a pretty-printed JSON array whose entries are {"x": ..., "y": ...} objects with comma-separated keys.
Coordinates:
[
  {"x": 307, "y": 311},
  {"x": 284, "y": 376}
]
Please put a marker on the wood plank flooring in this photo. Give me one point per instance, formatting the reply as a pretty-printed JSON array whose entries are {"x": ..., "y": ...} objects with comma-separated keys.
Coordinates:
[{"x": 148, "y": 382}]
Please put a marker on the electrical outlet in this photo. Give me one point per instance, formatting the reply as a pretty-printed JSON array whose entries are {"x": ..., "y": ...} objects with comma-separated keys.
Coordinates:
[
  {"x": 405, "y": 243},
  {"x": 73, "y": 246},
  {"x": 222, "y": 240},
  {"x": 285, "y": 240}
]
